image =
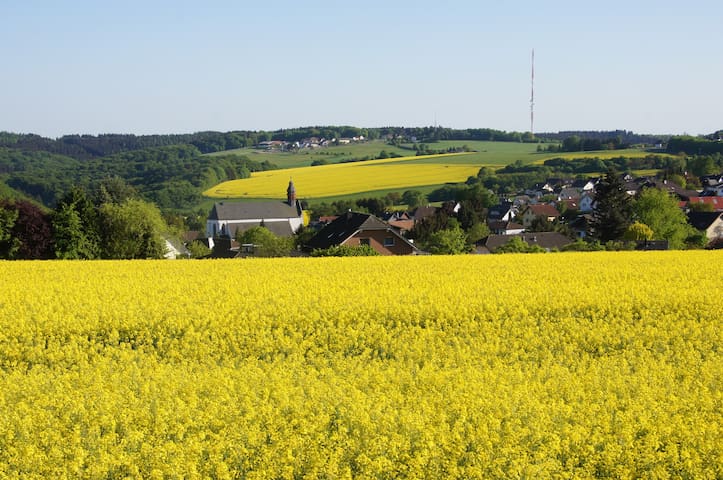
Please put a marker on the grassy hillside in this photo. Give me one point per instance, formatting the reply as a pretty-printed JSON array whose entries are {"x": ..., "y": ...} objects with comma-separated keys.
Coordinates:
[
  {"x": 378, "y": 177},
  {"x": 331, "y": 154}
]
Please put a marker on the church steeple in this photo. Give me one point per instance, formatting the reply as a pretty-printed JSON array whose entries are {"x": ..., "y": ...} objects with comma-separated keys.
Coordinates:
[{"x": 291, "y": 194}]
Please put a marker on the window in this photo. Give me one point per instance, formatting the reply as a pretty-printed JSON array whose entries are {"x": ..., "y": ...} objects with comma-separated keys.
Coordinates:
[
  {"x": 363, "y": 241},
  {"x": 388, "y": 241}
]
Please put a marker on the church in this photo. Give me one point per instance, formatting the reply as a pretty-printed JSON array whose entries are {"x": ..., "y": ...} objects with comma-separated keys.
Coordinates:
[{"x": 281, "y": 218}]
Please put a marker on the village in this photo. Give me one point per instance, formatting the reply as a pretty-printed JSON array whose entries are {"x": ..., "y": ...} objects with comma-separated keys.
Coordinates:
[{"x": 551, "y": 216}]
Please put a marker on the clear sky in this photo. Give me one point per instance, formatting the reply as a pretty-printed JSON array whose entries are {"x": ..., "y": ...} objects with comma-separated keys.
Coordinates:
[{"x": 177, "y": 66}]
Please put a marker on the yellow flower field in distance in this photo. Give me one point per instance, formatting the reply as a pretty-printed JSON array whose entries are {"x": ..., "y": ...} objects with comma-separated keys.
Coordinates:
[
  {"x": 345, "y": 178},
  {"x": 569, "y": 365}
]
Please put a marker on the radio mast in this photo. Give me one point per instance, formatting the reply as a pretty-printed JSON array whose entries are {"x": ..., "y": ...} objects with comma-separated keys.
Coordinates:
[{"x": 532, "y": 95}]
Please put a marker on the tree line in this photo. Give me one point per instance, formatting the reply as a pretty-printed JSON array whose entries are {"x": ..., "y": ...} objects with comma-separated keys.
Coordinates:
[
  {"x": 695, "y": 145},
  {"x": 173, "y": 177},
  {"x": 111, "y": 222}
]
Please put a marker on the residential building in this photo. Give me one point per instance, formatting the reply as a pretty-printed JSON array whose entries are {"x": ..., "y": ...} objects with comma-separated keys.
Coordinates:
[{"x": 355, "y": 229}]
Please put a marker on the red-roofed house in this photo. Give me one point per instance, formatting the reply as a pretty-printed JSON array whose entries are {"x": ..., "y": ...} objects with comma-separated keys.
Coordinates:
[
  {"x": 717, "y": 202},
  {"x": 548, "y": 212}
]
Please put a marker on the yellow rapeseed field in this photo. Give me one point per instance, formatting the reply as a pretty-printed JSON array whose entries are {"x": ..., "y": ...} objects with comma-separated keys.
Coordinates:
[
  {"x": 344, "y": 178},
  {"x": 574, "y": 365}
]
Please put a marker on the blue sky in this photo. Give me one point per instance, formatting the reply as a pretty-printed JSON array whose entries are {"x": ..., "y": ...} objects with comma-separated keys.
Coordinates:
[{"x": 180, "y": 66}]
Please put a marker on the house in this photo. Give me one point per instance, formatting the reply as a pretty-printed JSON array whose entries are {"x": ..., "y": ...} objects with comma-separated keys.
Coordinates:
[
  {"x": 546, "y": 240},
  {"x": 355, "y": 229},
  {"x": 632, "y": 187},
  {"x": 712, "y": 185},
  {"x": 396, "y": 215},
  {"x": 570, "y": 204},
  {"x": 504, "y": 212},
  {"x": 272, "y": 145},
  {"x": 651, "y": 245},
  {"x": 569, "y": 193},
  {"x": 520, "y": 201},
  {"x": 586, "y": 202},
  {"x": 585, "y": 185},
  {"x": 501, "y": 227},
  {"x": 175, "y": 249},
  {"x": 716, "y": 202},
  {"x": 581, "y": 225},
  {"x": 402, "y": 225},
  {"x": 420, "y": 213},
  {"x": 544, "y": 188},
  {"x": 672, "y": 188},
  {"x": 547, "y": 212},
  {"x": 223, "y": 247},
  {"x": 282, "y": 218},
  {"x": 710, "y": 222}
]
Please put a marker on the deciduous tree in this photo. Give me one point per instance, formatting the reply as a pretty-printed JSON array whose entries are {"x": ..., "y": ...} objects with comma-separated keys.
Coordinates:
[
  {"x": 265, "y": 243},
  {"x": 131, "y": 229},
  {"x": 660, "y": 211}
]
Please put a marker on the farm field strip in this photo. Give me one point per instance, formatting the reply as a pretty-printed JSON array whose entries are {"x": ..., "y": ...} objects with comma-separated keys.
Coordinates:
[
  {"x": 344, "y": 178},
  {"x": 575, "y": 365}
]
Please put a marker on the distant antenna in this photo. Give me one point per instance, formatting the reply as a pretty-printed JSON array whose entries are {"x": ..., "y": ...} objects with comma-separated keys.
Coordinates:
[{"x": 532, "y": 95}]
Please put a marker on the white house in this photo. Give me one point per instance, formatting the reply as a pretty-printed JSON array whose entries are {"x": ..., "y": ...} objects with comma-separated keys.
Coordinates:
[
  {"x": 586, "y": 202},
  {"x": 282, "y": 218}
]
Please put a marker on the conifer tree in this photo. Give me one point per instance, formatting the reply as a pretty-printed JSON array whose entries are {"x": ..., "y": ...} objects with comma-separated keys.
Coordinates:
[{"x": 613, "y": 209}]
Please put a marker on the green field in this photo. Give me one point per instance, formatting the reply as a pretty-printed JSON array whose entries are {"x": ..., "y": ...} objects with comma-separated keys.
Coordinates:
[
  {"x": 484, "y": 153},
  {"x": 332, "y": 154}
]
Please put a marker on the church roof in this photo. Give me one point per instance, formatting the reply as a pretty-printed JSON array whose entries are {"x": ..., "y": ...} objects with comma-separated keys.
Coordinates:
[
  {"x": 254, "y": 210},
  {"x": 280, "y": 229}
]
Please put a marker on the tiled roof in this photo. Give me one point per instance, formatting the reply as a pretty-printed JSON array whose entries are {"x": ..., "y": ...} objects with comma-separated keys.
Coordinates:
[
  {"x": 402, "y": 224},
  {"x": 544, "y": 210},
  {"x": 717, "y": 202}
]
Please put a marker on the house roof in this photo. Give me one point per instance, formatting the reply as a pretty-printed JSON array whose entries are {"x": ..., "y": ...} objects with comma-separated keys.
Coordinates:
[
  {"x": 571, "y": 204},
  {"x": 673, "y": 188},
  {"x": 497, "y": 225},
  {"x": 717, "y": 202},
  {"x": 405, "y": 225},
  {"x": 496, "y": 212},
  {"x": 546, "y": 240},
  {"x": 224, "y": 248},
  {"x": 345, "y": 226},
  {"x": 584, "y": 182},
  {"x": 191, "y": 235},
  {"x": 544, "y": 210},
  {"x": 254, "y": 210},
  {"x": 422, "y": 212},
  {"x": 280, "y": 229},
  {"x": 703, "y": 220}
]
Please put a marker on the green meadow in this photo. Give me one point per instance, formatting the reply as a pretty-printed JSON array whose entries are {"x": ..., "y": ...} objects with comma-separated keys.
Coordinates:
[{"x": 332, "y": 154}]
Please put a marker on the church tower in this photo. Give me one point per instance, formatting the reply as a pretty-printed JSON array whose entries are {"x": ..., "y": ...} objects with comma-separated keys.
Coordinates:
[{"x": 291, "y": 194}]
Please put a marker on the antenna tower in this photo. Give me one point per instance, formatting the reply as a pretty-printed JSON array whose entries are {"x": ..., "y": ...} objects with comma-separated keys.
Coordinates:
[{"x": 532, "y": 95}]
